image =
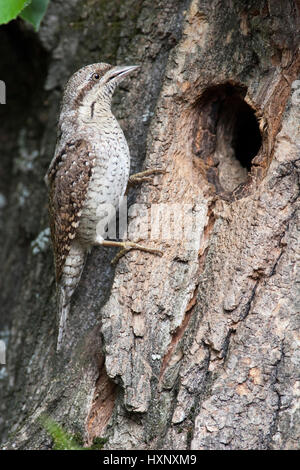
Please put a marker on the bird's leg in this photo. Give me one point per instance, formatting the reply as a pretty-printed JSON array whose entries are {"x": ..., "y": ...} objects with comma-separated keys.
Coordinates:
[
  {"x": 146, "y": 175},
  {"x": 127, "y": 246}
]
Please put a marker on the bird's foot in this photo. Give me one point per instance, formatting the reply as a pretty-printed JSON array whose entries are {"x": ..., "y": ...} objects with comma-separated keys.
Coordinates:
[
  {"x": 127, "y": 246},
  {"x": 146, "y": 175}
]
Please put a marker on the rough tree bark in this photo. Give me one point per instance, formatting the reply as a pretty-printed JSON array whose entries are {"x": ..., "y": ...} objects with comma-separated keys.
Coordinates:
[{"x": 197, "y": 349}]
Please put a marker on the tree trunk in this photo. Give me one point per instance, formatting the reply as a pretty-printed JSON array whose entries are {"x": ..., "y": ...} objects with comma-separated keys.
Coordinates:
[{"x": 195, "y": 349}]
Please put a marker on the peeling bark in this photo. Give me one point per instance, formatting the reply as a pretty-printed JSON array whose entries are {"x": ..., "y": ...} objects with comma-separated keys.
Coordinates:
[{"x": 196, "y": 349}]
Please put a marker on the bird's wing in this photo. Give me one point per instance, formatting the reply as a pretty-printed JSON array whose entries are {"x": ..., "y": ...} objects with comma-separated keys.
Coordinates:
[{"x": 68, "y": 178}]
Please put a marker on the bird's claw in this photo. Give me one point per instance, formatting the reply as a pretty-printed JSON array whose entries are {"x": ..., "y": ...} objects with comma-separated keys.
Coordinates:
[{"x": 146, "y": 175}]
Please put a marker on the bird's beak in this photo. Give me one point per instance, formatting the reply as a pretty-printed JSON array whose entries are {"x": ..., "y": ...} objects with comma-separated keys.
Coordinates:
[{"x": 119, "y": 72}]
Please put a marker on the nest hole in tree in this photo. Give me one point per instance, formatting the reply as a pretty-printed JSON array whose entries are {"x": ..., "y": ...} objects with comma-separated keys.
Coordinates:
[{"x": 226, "y": 136}]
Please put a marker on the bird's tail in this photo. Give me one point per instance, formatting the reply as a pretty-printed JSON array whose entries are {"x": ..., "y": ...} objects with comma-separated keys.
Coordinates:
[{"x": 66, "y": 286}]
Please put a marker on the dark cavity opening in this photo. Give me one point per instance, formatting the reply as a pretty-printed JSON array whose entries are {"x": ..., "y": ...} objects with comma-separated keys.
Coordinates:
[
  {"x": 246, "y": 138},
  {"x": 227, "y": 136}
]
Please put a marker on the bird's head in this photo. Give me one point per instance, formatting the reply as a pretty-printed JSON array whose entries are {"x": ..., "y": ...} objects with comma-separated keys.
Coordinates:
[{"x": 93, "y": 86}]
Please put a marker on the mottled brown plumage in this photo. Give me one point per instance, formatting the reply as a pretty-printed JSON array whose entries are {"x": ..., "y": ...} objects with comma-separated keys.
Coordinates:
[
  {"x": 87, "y": 177},
  {"x": 88, "y": 172},
  {"x": 69, "y": 178}
]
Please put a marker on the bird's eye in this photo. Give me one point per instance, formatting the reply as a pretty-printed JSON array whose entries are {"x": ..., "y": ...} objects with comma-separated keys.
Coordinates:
[{"x": 95, "y": 76}]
